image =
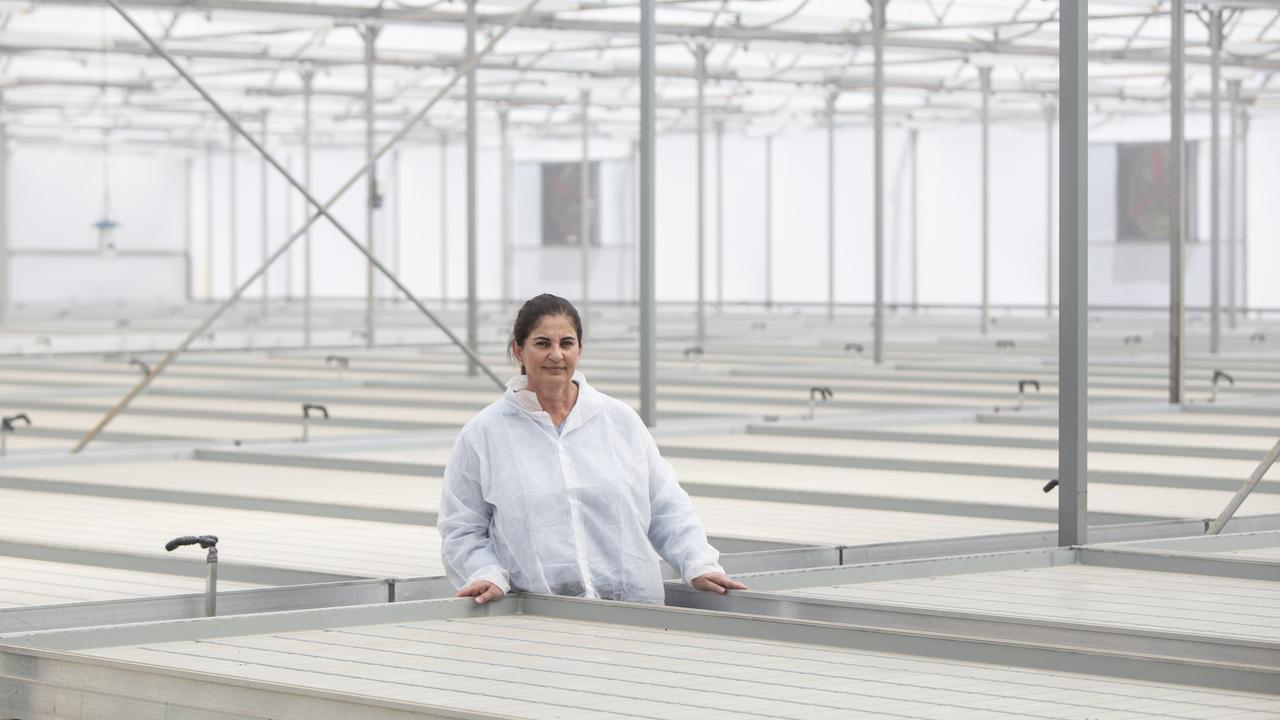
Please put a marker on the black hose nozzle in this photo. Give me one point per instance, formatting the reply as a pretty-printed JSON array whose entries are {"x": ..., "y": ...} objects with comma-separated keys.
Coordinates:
[
  {"x": 308, "y": 407},
  {"x": 822, "y": 393},
  {"x": 1220, "y": 375},
  {"x": 1022, "y": 385},
  {"x": 6, "y": 424},
  {"x": 1050, "y": 485},
  {"x": 204, "y": 541}
]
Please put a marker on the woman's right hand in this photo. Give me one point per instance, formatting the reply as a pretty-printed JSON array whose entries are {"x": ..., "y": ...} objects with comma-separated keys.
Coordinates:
[{"x": 483, "y": 591}]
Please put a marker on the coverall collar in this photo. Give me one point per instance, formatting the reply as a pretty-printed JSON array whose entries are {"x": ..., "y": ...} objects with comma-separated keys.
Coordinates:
[{"x": 520, "y": 399}]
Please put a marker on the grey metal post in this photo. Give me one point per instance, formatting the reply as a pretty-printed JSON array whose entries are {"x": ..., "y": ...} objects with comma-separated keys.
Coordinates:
[
  {"x": 584, "y": 208},
  {"x": 395, "y": 211},
  {"x": 878, "y": 25},
  {"x": 719, "y": 215},
  {"x": 984, "y": 76},
  {"x": 1244, "y": 212},
  {"x": 1050, "y": 117},
  {"x": 472, "y": 329},
  {"x": 370, "y": 33},
  {"x": 208, "y": 220},
  {"x": 286, "y": 205},
  {"x": 915, "y": 220},
  {"x": 308, "y": 76},
  {"x": 1073, "y": 315},
  {"x": 504, "y": 193},
  {"x": 263, "y": 213},
  {"x": 1215, "y": 181},
  {"x": 768, "y": 221},
  {"x": 444, "y": 219},
  {"x": 188, "y": 222},
  {"x": 232, "y": 220},
  {"x": 831, "y": 205},
  {"x": 4, "y": 216},
  {"x": 1233, "y": 92},
  {"x": 1177, "y": 192},
  {"x": 700, "y": 60},
  {"x": 648, "y": 310}
]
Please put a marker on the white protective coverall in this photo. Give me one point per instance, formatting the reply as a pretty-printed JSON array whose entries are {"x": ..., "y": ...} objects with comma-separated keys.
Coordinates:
[{"x": 577, "y": 513}]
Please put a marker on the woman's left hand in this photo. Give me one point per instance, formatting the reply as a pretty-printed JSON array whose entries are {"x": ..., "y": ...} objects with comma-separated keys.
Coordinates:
[{"x": 717, "y": 583}]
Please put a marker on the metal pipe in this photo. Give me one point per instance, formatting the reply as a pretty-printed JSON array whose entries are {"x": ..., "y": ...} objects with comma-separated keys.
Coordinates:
[
  {"x": 831, "y": 205},
  {"x": 984, "y": 75},
  {"x": 648, "y": 312},
  {"x": 504, "y": 195},
  {"x": 372, "y": 201},
  {"x": 915, "y": 220},
  {"x": 768, "y": 221},
  {"x": 719, "y": 214},
  {"x": 1225, "y": 516},
  {"x": 584, "y": 207},
  {"x": 1073, "y": 314},
  {"x": 208, "y": 221},
  {"x": 1233, "y": 92},
  {"x": 1051, "y": 117},
  {"x": 1215, "y": 182},
  {"x": 232, "y": 220},
  {"x": 263, "y": 203},
  {"x": 308, "y": 76},
  {"x": 444, "y": 219},
  {"x": 473, "y": 334},
  {"x": 1244, "y": 212},
  {"x": 1177, "y": 193},
  {"x": 700, "y": 59},
  {"x": 878, "y": 26},
  {"x": 322, "y": 210}
]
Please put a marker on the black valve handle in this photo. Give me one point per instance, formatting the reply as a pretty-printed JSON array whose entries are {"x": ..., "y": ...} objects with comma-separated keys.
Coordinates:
[
  {"x": 1022, "y": 384},
  {"x": 204, "y": 541},
  {"x": 308, "y": 407},
  {"x": 1051, "y": 485},
  {"x": 7, "y": 423},
  {"x": 822, "y": 392},
  {"x": 1218, "y": 374}
]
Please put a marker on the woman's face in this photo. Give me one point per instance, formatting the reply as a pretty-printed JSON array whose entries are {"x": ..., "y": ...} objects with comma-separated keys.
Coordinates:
[{"x": 551, "y": 352}]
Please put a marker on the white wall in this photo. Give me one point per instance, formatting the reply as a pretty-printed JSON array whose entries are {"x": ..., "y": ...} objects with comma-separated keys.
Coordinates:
[{"x": 55, "y": 198}]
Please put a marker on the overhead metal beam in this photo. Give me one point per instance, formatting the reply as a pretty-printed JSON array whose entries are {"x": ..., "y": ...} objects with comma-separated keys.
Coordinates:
[
  {"x": 1073, "y": 315},
  {"x": 648, "y": 307},
  {"x": 1177, "y": 193}
]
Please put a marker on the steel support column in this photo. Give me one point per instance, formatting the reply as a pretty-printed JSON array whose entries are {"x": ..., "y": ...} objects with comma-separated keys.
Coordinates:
[
  {"x": 768, "y": 221},
  {"x": 232, "y": 210},
  {"x": 1244, "y": 212},
  {"x": 719, "y": 215},
  {"x": 984, "y": 77},
  {"x": 208, "y": 220},
  {"x": 1050, "y": 118},
  {"x": 1215, "y": 181},
  {"x": 1233, "y": 94},
  {"x": 263, "y": 215},
  {"x": 473, "y": 334},
  {"x": 4, "y": 215},
  {"x": 1073, "y": 315},
  {"x": 370, "y": 33},
  {"x": 444, "y": 219},
  {"x": 648, "y": 313},
  {"x": 308, "y": 77},
  {"x": 878, "y": 25},
  {"x": 584, "y": 208},
  {"x": 504, "y": 195},
  {"x": 395, "y": 211},
  {"x": 1177, "y": 192},
  {"x": 700, "y": 111},
  {"x": 831, "y": 205},
  {"x": 915, "y": 220},
  {"x": 188, "y": 224}
]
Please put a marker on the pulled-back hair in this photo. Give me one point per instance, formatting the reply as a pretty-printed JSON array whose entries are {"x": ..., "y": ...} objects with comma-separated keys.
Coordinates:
[{"x": 532, "y": 312}]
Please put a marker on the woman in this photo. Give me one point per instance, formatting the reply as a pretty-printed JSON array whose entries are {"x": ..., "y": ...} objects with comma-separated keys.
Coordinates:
[{"x": 558, "y": 488}]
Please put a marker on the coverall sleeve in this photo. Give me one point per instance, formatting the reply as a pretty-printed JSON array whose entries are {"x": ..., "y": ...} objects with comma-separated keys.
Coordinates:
[
  {"x": 674, "y": 528},
  {"x": 464, "y": 520}
]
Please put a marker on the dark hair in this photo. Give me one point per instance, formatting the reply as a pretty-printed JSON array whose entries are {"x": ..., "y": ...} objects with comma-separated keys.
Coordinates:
[{"x": 532, "y": 312}]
